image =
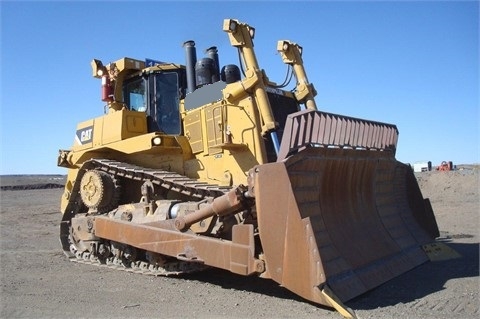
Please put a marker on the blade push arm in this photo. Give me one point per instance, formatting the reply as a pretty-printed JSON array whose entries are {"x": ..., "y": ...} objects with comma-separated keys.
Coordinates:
[{"x": 241, "y": 36}]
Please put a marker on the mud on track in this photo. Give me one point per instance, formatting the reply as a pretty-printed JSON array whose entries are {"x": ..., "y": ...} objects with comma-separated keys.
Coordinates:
[{"x": 37, "y": 281}]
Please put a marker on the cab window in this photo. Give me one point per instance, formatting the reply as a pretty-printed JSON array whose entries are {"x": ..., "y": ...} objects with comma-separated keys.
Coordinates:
[{"x": 135, "y": 95}]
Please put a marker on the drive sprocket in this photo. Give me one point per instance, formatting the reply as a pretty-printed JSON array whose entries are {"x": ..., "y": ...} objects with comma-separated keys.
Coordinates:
[{"x": 98, "y": 191}]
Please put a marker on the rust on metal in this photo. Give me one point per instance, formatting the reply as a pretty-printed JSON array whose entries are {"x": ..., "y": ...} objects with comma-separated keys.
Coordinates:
[
  {"x": 332, "y": 130},
  {"x": 355, "y": 223},
  {"x": 236, "y": 255},
  {"x": 229, "y": 203},
  {"x": 349, "y": 225}
]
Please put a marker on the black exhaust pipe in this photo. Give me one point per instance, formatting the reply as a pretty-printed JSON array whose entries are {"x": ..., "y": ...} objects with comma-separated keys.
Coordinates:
[
  {"x": 212, "y": 53},
  {"x": 191, "y": 59}
]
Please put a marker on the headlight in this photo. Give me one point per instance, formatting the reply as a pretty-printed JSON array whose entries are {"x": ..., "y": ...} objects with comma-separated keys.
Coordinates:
[
  {"x": 252, "y": 32},
  {"x": 233, "y": 26},
  {"x": 156, "y": 141}
]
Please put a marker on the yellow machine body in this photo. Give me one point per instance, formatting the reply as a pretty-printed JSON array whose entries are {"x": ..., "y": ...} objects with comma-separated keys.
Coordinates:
[{"x": 193, "y": 167}]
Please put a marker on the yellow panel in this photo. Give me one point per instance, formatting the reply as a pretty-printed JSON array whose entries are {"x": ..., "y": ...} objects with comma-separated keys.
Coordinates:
[
  {"x": 84, "y": 135},
  {"x": 136, "y": 124},
  {"x": 193, "y": 131},
  {"x": 123, "y": 124},
  {"x": 128, "y": 63},
  {"x": 215, "y": 123},
  {"x": 98, "y": 128}
]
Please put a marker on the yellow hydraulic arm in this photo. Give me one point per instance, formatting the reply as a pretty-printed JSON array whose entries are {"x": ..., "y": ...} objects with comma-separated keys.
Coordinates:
[
  {"x": 292, "y": 54},
  {"x": 241, "y": 36}
]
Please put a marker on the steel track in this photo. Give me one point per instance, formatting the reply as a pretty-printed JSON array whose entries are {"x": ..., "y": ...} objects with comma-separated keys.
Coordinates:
[{"x": 170, "y": 181}]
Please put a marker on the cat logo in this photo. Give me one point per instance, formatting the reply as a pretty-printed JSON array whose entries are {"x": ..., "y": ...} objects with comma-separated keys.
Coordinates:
[{"x": 84, "y": 135}]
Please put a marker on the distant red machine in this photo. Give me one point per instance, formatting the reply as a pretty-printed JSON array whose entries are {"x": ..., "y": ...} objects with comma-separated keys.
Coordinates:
[{"x": 445, "y": 166}]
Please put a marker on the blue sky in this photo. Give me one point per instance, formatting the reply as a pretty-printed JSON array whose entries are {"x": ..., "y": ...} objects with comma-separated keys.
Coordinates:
[{"x": 413, "y": 64}]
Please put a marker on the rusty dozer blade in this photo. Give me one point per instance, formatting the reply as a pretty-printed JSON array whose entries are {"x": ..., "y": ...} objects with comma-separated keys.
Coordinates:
[{"x": 340, "y": 218}]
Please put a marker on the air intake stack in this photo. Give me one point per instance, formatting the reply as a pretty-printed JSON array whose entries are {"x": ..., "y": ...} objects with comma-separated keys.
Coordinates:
[{"x": 212, "y": 53}]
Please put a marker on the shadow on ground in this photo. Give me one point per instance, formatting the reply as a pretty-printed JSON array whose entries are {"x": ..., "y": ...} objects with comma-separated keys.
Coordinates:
[
  {"x": 415, "y": 284},
  {"x": 423, "y": 280}
]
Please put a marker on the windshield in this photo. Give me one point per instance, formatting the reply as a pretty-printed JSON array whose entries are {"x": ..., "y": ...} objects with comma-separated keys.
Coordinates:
[
  {"x": 159, "y": 96},
  {"x": 135, "y": 95}
]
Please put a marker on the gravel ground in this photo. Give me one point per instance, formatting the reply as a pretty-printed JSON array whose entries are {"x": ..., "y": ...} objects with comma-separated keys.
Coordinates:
[{"x": 37, "y": 281}]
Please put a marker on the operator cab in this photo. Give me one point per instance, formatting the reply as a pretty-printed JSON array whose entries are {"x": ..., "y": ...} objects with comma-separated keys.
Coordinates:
[{"x": 158, "y": 94}]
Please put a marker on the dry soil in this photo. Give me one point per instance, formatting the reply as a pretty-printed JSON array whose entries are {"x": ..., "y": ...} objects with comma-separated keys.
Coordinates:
[{"x": 37, "y": 281}]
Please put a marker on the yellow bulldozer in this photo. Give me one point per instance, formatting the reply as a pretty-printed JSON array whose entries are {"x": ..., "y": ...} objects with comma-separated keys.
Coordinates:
[{"x": 196, "y": 166}]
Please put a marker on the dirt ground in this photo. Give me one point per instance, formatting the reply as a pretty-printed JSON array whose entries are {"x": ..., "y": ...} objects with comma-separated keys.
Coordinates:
[{"x": 37, "y": 281}]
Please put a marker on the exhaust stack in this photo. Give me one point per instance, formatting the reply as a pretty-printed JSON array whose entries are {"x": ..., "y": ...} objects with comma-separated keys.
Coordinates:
[{"x": 191, "y": 60}]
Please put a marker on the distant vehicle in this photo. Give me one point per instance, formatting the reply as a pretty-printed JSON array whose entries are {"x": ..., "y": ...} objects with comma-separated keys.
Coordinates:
[
  {"x": 445, "y": 166},
  {"x": 422, "y": 167}
]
